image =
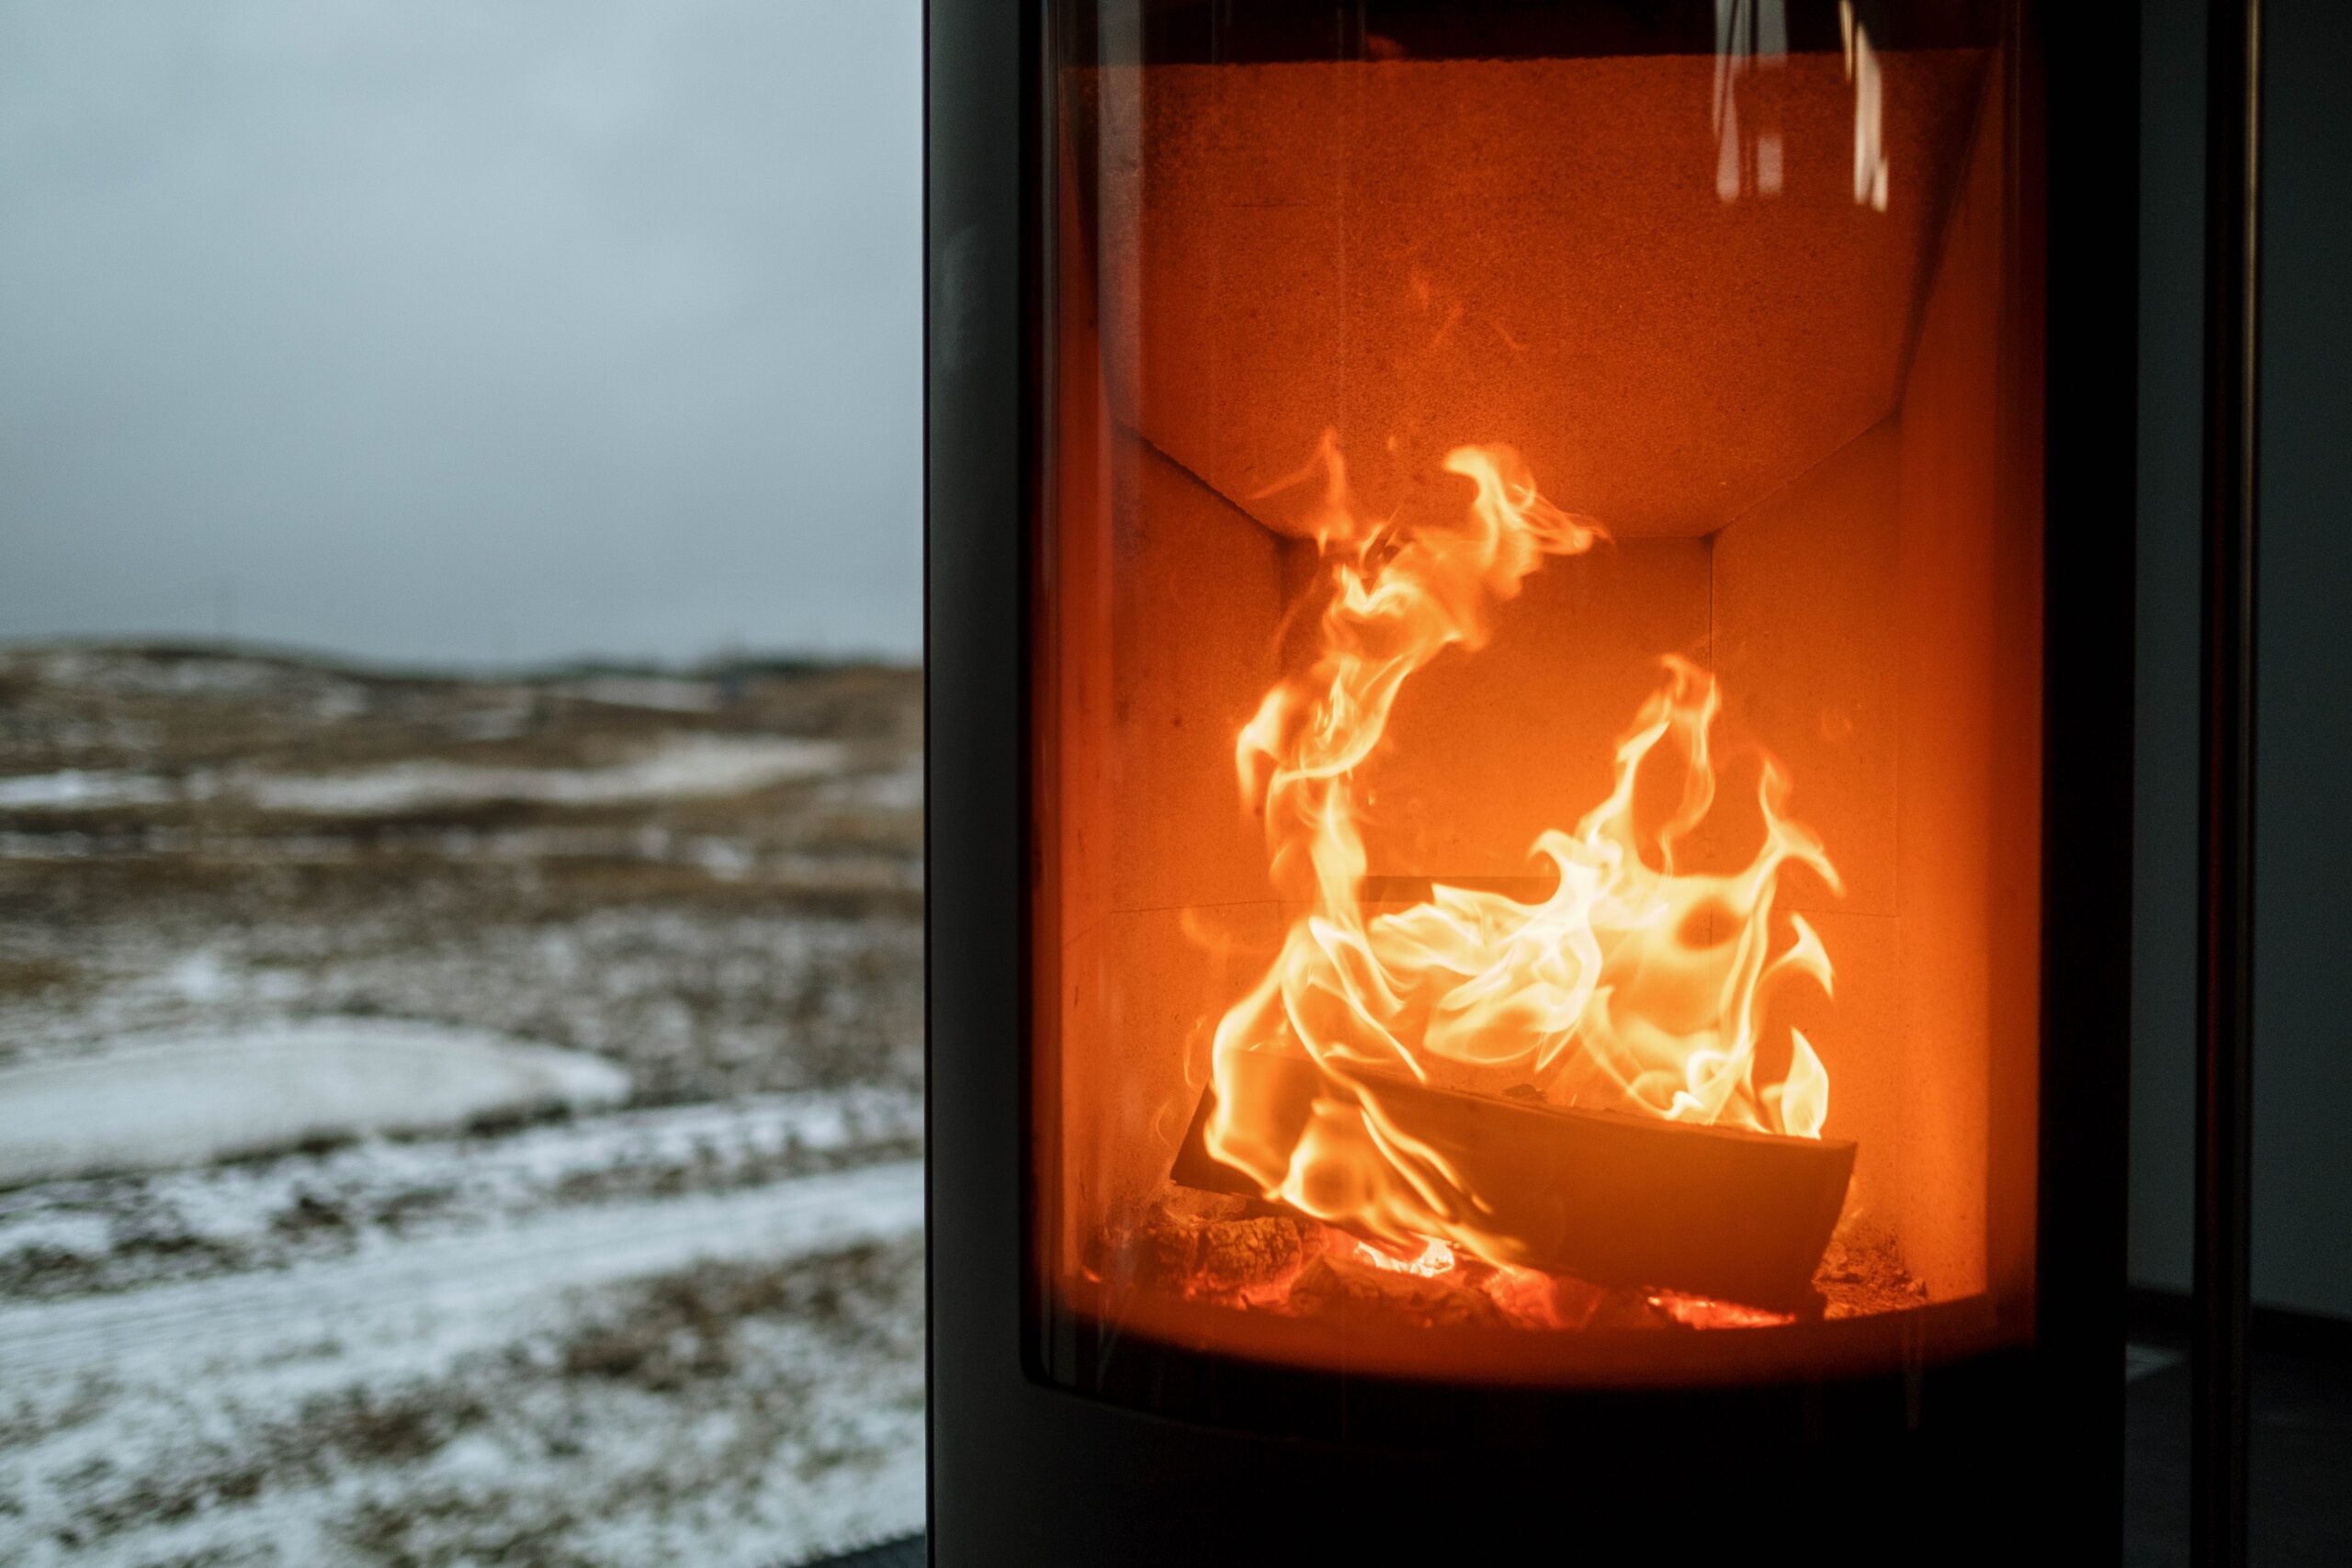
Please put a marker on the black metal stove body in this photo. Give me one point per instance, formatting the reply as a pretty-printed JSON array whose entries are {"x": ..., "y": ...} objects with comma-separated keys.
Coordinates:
[{"x": 1055, "y": 1440}]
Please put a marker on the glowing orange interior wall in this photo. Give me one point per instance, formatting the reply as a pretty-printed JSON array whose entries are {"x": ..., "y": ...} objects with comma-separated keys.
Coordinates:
[{"x": 1795, "y": 417}]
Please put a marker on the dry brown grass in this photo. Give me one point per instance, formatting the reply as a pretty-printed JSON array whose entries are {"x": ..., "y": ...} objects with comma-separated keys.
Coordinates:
[
  {"x": 30, "y": 977},
  {"x": 685, "y": 1328}
]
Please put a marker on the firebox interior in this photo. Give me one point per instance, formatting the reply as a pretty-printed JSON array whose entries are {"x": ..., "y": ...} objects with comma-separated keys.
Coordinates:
[{"x": 1796, "y": 411}]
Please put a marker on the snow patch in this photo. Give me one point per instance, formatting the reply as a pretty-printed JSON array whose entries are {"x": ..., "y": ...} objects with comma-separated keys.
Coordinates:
[
  {"x": 163, "y": 1103},
  {"x": 898, "y": 789},
  {"x": 683, "y": 767},
  {"x": 659, "y": 693},
  {"x": 78, "y": 789}
]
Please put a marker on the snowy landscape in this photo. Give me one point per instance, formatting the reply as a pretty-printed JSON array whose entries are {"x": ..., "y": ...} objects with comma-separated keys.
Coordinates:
[{"x": 456, "y": 1120}]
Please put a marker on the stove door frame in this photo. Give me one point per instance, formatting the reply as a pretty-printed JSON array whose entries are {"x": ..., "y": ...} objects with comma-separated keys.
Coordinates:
[{"x": 1022, "y": 1471}]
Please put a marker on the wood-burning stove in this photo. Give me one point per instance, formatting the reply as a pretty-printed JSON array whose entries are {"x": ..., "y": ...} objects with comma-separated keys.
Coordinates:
[{"x": 1530, "y": 650}]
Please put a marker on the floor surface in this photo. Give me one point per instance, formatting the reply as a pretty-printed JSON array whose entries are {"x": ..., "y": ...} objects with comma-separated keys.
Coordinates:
[{"x": 2302, "y": 1463}]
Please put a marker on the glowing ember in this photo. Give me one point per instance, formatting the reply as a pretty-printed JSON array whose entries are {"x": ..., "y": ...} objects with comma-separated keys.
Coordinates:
[
  {"x": 1697, "y": 1312},
  {"x": 1435, "y": 1258},
  {"x": 1636, "y": 986}
]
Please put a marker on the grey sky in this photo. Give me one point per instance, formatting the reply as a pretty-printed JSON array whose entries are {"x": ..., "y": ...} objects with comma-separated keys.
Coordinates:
[{"x": 462, "y": 329}]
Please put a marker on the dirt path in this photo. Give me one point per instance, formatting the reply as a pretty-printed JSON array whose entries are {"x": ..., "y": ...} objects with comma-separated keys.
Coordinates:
[{"x": 427, "y": 1289}]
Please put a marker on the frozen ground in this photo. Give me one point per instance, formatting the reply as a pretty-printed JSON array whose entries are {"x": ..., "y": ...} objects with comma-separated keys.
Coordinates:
[
  {"x": 716, "y": 1379},
  {"x": 505, "y": 1096}
]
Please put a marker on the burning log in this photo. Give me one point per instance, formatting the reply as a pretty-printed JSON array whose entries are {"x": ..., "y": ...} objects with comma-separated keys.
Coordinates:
[
  {"x": 1212, "y": 1247},
  {"x": 1616, "y": 1200}
]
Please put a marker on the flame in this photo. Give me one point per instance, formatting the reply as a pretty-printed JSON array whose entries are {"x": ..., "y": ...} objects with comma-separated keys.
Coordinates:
[{"x": 1634, "y": 987}]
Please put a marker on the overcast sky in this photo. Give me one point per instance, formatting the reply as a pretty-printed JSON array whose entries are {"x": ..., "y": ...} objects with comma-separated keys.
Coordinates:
[{"x": 462, "y": 329}]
